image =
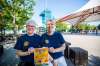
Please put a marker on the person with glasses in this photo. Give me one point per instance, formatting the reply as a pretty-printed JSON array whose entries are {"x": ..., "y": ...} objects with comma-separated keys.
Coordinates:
[{"x": 26, "y": 43}]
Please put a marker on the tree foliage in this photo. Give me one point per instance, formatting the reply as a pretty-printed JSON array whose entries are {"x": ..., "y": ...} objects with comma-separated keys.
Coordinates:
[
  {"x": 61, "y": 26},
  {"x": 86, "y": 27},
  {"x": 16, "y": 12}
]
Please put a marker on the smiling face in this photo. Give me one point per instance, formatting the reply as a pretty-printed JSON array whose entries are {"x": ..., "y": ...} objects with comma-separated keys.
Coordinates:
[
  {"x": 50, "y": 26},
  {"x": 30, "y": 28}
]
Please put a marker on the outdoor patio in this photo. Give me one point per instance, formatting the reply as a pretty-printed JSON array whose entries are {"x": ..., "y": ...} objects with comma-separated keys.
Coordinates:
[{"x": 9, "y": 57}]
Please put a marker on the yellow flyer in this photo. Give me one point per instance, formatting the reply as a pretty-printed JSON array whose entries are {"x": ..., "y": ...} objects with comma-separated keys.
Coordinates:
[{"x": 41, "y": 56}]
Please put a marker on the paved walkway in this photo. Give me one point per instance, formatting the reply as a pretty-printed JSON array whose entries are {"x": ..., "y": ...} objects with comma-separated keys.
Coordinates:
[
  {"x": 8, "y": 58},
  {"x": 91, "y": 43}
]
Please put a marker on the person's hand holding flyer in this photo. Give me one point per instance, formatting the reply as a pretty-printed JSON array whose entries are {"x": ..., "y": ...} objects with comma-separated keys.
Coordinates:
[{"x": 31, "y": 50}]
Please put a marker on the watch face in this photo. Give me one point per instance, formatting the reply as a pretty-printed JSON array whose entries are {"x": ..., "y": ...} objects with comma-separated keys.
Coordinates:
[
  {"x": 46, "y": 41},
  {"x": 26, "y": 43}
]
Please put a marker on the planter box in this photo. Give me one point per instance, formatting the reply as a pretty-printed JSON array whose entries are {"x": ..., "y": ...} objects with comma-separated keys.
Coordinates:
[
  {"x": 79, "y": 56},
  {"x": 66, "y": 51}
]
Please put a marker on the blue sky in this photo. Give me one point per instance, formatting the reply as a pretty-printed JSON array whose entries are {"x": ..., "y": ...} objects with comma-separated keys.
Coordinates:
[{"x": 59, "y": 8}]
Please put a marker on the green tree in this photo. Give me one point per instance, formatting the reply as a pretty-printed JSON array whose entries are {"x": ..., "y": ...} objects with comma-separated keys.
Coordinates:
[
  {"x": 16, "y": 12},
  {"x": 86, "y": 27},
  {"x": 92, "y": 27},
  {"x": 61, "y": 26}
]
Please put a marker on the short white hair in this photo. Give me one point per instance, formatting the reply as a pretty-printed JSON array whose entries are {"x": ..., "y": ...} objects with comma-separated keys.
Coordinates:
[{"x": 31, "y": 22}]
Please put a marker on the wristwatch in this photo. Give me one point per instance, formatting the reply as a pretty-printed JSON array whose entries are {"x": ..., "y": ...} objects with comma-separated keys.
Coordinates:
[{"x": 52, "y": 61}]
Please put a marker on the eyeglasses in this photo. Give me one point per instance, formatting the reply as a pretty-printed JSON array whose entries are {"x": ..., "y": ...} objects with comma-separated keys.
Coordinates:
[{"x": 30, "y": 26}]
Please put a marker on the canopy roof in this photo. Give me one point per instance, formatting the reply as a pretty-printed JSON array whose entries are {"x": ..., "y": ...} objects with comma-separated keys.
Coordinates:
[{"x": 89, "y": 12}]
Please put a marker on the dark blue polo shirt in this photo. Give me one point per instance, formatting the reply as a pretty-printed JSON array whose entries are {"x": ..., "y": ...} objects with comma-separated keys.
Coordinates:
[
  {"x": 56, "y": 40},
  {"x": 31, "y": 41}
]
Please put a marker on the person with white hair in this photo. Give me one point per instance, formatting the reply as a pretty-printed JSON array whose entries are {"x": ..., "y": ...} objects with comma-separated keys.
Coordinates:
[{"x": 26, "y": 43}]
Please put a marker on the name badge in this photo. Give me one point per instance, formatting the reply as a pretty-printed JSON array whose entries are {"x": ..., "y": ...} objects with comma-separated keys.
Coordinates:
[
  {"x": 46, "y": 41},
  {"x": 26, "y": 43}
]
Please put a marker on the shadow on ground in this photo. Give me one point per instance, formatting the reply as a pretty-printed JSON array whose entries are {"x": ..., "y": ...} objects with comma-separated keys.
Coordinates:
[{"x": 94, "y": 60}]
